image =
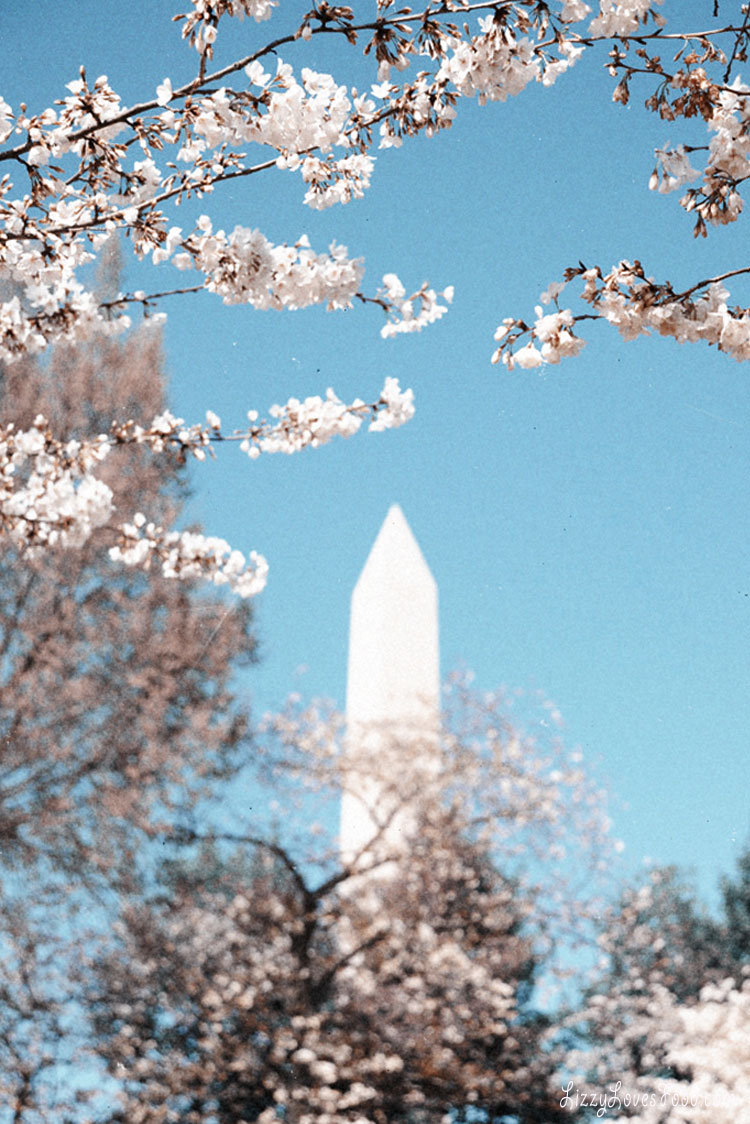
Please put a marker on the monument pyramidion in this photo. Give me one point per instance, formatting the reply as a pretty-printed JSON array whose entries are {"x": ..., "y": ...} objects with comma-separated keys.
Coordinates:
[{"x": 393, "y": 696}]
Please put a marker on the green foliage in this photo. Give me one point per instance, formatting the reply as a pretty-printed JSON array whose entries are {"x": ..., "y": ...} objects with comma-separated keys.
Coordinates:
[{"x": 735, "y": 893}]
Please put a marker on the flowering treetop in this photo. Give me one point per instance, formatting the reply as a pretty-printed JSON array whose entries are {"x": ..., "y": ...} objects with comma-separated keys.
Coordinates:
[{"x": 90, "y": 167}]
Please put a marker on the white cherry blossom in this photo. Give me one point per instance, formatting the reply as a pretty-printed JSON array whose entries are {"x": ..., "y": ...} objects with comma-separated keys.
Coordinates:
[{"x": 622, "y": 17}]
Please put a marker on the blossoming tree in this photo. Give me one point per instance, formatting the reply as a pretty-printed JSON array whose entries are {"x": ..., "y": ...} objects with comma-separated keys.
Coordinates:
[
  {"x": 116, "y": 712},
  {"x": 90, "y": 165},
  {"x": 694, "y": 1058},
  {"x": 665, "y": 1025},
  {"x": 285, "y": 985},
  {"x": 114, "y": 694}
]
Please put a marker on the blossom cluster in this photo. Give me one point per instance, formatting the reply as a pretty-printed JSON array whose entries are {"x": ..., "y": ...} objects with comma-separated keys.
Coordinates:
[
  {"x": 634, "y": 304},
  {"x": 245, "y": 268},
  {"x": 497, "y": 65},
  {"x": 553, "y": 330},
  {"x": 49, "y": 494},
  {"x": 707, "y": 1043},
  {"x": 637, "y": 305},
  {"x": 316, "y": 420},
  {"x": 188, "y": 554},
  {"x": 336, "y": 181},
  {"x": 410, "y": 313},
  {"x": 691, "y": 1056},
  {"x": 624, "y": 17},
  {"x": 718, "y": 201}
]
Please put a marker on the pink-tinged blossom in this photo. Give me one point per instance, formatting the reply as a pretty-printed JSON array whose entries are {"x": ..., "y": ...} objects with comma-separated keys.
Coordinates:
[
  {"x": 574, "y": 10},
  {"x": 410, "y": 313},
  {"x": 188, "y": 554},
  {"x": 623, "y": 17},
  {"x": 676, "y": 170},
  {"x": 526, "y": 358}
]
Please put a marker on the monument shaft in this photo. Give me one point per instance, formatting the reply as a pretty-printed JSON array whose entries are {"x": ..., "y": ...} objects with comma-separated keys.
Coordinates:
[{"x": 393, "y": 691}]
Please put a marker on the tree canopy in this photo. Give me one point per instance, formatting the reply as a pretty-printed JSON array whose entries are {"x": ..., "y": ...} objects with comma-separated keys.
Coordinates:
[
  {"x": 118, "y": 715},
  {"x": 282, "y": 983}
]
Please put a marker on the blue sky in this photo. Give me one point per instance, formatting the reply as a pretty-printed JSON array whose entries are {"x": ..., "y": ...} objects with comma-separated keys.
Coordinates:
[{"x": 587, "y": 527}]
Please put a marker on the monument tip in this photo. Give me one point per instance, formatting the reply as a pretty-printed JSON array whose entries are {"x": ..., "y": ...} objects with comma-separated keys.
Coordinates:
[{"x": 395, "y": 557}]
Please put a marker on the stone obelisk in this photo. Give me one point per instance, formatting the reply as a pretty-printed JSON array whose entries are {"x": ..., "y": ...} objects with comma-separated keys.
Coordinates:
[{"x": 393, "y": 690}]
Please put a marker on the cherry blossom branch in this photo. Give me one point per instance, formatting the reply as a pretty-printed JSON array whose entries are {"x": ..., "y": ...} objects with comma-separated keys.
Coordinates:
[
  {"x": 660, "y": 35},
  {"x": 56, "y": 226},
  {"x": 711, "y": 281},
  {"x": 50, "y": 494},
  {"x": 196, "y": 85},
  {"x": 213, "y": 124},
  {"x": 119, "y": 214},
  {"x": 147, "y": 299},
  {"x": 740, "y": 42},
  {"x": 636, "y": 305}
]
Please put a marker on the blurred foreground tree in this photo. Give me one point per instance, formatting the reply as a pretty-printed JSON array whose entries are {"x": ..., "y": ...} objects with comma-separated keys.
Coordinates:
[
  {"x": 735, "y": 897},
  {"x": 392, "y": 987},
  {"x": 666, "y": 1025},
  {"x": 114, "y": 688}
]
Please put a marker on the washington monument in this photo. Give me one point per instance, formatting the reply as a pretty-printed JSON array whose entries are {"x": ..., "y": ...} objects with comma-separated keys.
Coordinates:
[{"x": 393, "y": 686}]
